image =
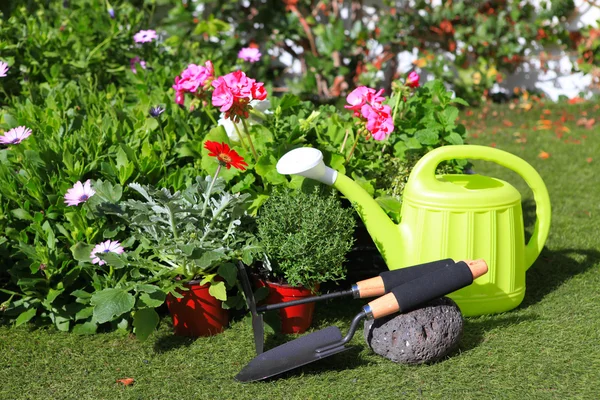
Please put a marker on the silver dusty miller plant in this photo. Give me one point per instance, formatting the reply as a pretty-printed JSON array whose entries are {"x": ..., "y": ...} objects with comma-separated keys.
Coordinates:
[{"x": 195, "y": 238}]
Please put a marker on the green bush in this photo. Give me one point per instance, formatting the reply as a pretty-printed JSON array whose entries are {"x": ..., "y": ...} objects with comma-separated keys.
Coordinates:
[{"x": 305, "y": 236}]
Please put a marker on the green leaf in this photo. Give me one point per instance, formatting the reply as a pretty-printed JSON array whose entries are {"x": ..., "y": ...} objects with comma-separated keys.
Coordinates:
[
  {"x": 218, "y": 291},
  {"x": 365, "y": 184},
  {"x": 111, "y": 303},
  {"x": 81, "y": 251},
  {"x": 10, "y": 121},
  {"x": 107, "y": 191},
  {"x": 25, "y": 316},
  {"x": 145, "y": 322},
  {"x": 151, "y": 300},
  {"x": 122, "y": 159},
  {"x": 266, "y": 169},
  {"x": 229, "y": 272},
  {"x": 448, "y": 116},
  {"x": 454, "y": 138},
  {"x": 22, "y": 214},
  {"x": 389, "y": 203},
  {"x": 113, "y": 259},
  {"x": 62, "y": 323},
  {"x": 208, "y": 258},
  {"x": 460, "y": 101},
  {"x": 87, "y": 328},
  {"x": 84, "y": 313},
  {"x": 427, "y": 136}
]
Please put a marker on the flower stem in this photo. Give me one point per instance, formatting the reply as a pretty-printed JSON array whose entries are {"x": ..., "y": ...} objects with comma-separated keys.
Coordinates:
[
  {"x": 239, "y": 134},
  {"x": 210, "y": 116},
  {"x": 249, "y": 139},
  {"x": 353, "y": 147},
  {"x": 209, "y": 190},
  {"x": 344, "y": 142},
  {"x": 398, "y": 97}
]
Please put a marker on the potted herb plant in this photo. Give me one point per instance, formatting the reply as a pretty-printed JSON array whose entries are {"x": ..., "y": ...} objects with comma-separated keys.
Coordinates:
[
  {"x": 197, "y": 234},
  {"x": 305, "y": 236}
]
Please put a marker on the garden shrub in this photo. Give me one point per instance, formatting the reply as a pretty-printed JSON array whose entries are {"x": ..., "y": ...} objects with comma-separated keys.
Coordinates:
[
  {"x": 305, "y": 236},
  {"x": 91, "y": 126}
]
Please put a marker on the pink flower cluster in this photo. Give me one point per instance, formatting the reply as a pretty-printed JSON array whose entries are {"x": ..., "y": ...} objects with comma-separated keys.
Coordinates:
[
  {"x": 234, "y": 92},
  {"x": 194, "y": 79},
  {"x": 367, "y": 105}
]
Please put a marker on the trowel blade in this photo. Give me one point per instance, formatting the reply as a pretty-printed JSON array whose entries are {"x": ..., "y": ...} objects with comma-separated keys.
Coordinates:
[{"x": 292, "y": 354}]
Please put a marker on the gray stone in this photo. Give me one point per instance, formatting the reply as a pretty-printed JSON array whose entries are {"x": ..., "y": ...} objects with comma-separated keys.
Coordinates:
[{"x": 424, "y": 335}]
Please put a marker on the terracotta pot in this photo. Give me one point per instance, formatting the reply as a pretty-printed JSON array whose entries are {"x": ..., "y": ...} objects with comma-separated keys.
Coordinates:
[
  {"x": 296, "y": 319},
  {"x": 197, "y": 313}
]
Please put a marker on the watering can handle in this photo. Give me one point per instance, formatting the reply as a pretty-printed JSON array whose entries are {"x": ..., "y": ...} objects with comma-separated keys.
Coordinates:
[{"x": 428, "y": 165}]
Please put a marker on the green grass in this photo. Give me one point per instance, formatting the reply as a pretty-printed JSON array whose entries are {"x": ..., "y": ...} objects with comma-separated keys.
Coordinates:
[{"x": 548, "y": 348}]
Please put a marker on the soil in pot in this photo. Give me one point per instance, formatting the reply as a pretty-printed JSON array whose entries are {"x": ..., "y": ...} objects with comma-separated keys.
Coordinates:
[{"x": 197, "y": 313}]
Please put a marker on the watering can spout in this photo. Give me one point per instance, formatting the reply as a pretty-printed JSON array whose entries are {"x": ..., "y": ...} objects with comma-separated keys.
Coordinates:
[{"x": 389, "y": 238}]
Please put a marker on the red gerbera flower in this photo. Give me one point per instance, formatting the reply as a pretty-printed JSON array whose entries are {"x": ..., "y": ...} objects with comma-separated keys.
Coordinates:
[{"x": 225, "y": 155}]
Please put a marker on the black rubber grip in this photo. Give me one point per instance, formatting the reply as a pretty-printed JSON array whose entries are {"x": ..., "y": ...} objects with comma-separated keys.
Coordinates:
[
  {"x": 436, "y": 284},
  {"x": 397, "y": 277}
]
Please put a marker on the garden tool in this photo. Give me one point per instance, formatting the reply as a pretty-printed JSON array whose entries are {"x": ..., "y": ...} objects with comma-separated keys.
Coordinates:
[
  {"x": 450, "y": 216},
  {"x": 372, "y": 287},
  {"x": 329, "y": 341}
]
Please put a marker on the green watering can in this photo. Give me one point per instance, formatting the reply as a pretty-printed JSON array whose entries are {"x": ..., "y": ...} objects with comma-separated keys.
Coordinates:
[{"x": 450, "y": 216}]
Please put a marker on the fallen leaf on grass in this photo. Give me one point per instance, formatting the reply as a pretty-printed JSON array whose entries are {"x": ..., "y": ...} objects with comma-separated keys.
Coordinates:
[
  {"x": 126, "y": 381},
  {"x": 507, "y": 123},
  {"x": 589, "y": 160},
  {"x": 576, "y": 100},
  {"x": 544, "y": 155},
  {"x": 544, "y": 124},
  {"x": 588, "y": 123}
]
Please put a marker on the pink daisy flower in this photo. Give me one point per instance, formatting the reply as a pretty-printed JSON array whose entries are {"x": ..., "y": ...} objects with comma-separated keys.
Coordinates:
[
  {"x": 15, "y": 135},
  {"x": 134, "y": 61},
  {"x": 250, "y": 54},
  {"x": 79, "y": 193},
  {"x": 109, "y": 246},
  {"x": 145, "y": 36},
  {"x": 3, "y": 69}
]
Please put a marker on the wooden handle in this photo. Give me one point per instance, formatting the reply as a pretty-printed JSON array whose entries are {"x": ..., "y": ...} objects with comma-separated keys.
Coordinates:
[
  {"x": 372, "y": 287},
  {"x": 385, "y": 305},
  {"x": 478, "y": 267}
]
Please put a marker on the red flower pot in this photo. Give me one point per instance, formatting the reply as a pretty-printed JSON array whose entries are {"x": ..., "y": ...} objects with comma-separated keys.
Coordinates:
[
  {"x": 197, "y": 313},
  {"x": 296, "y": 319}
]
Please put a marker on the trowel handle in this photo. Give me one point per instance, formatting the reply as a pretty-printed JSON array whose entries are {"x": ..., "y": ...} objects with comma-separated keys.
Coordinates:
[
  {"x": 426, "y": 167},
  {"x": 427, "y": 287},
  {"x": 386, "y": 281}
]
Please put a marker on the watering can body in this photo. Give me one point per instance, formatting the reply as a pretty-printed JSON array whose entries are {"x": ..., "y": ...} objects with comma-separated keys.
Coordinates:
[{"x": 459, "y": 217}]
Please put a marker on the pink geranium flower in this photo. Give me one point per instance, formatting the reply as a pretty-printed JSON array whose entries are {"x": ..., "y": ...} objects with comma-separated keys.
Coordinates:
[
  {"x": 233, "y": 93},
  {"x": 363, "y": 95},
  {"x": 367, "y": 104},
  {"x": 194, "y": 77},
  {"x": 180, "y": 97},
  {"x": 145, "y": 36},
  {"x": 109, "y": 246},
  {"x": 15, "y": 135},
  {"x": 250, "y": 54},
  {"x": 379, "y": 121},
  {"x": 3, "y": 69},
  {"x": 79, "y": 193},
  {"x": 413, "y": 80}
]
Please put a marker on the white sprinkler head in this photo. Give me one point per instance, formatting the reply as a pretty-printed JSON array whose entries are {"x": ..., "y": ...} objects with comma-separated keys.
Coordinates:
[{"x": 307, "y": 162}]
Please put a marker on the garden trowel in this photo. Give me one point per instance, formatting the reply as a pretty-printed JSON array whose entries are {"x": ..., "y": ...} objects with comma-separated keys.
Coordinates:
[
  {"x": 373, "y": 287},
  {"x": 329, "y": 341}
]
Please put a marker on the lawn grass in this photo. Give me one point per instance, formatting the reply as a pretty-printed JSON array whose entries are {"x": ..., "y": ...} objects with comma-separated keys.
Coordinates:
[{"x": 548, "y": 348}]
